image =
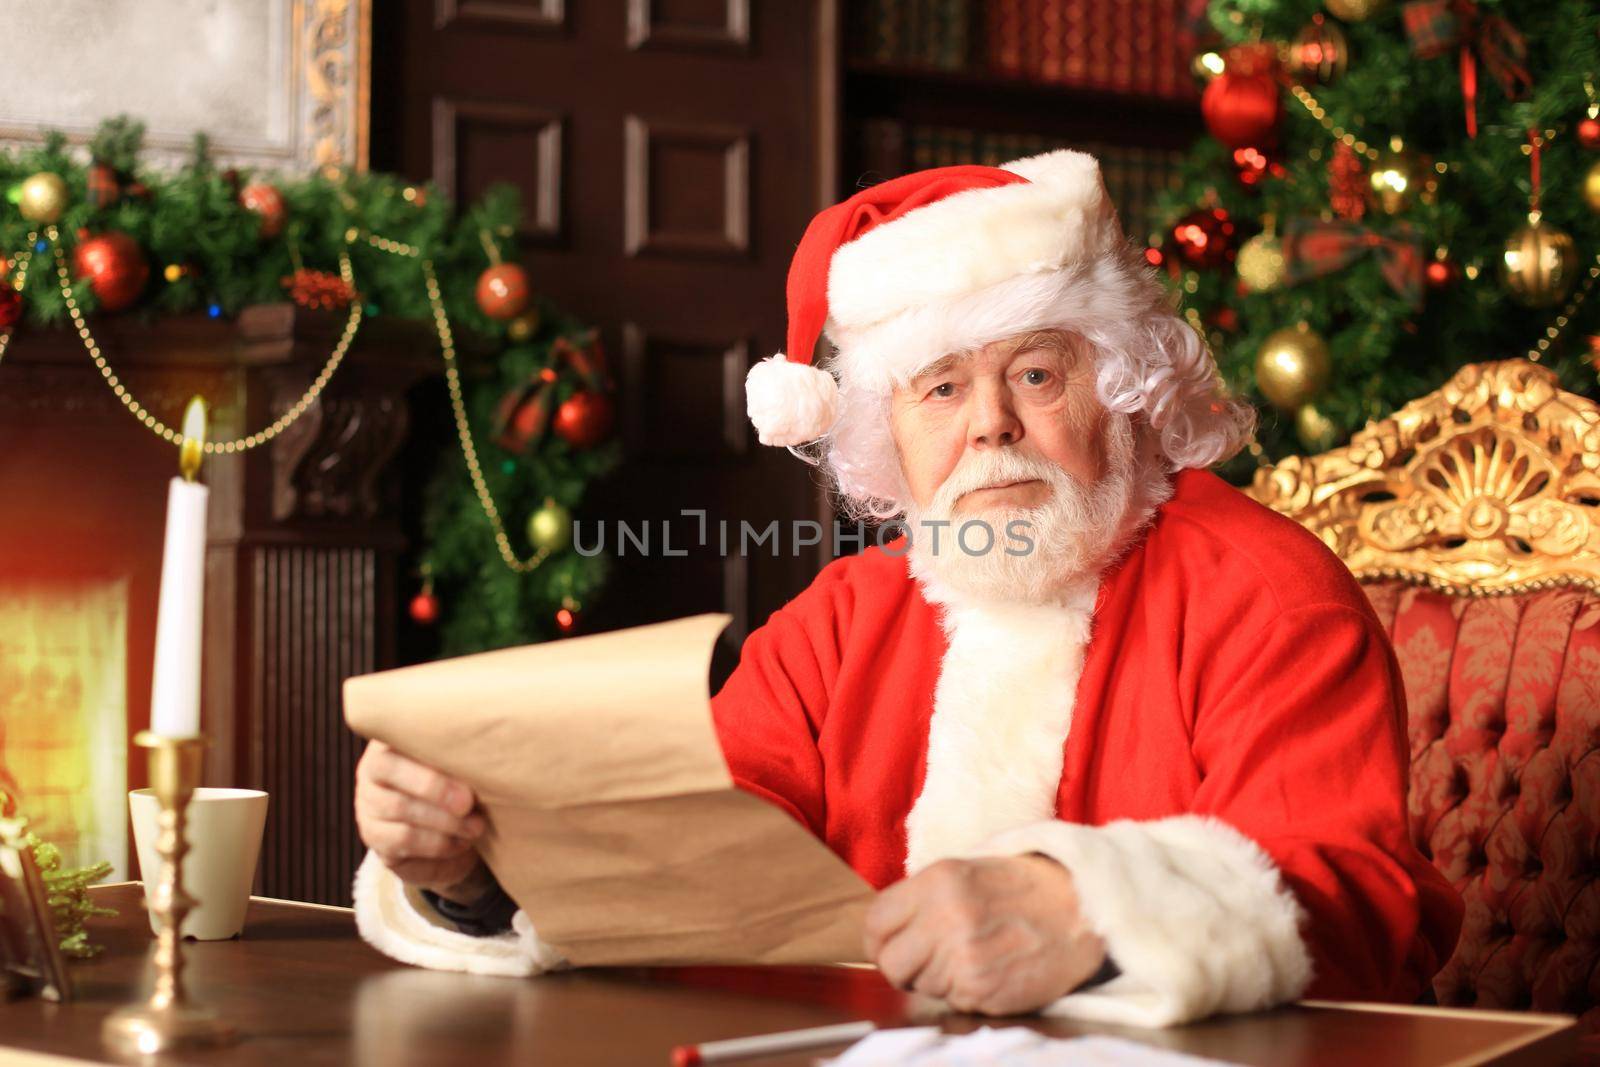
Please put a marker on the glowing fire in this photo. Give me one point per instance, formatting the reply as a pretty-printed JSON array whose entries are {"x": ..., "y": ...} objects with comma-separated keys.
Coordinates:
[{"x": 63, "y": 713}]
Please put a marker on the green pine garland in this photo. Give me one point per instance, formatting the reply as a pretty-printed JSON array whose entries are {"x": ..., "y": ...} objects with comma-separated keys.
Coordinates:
[
  {"x": 1383, "y": 353},
  {"x": 66, "y": 891},
  {"x": 192, "y": 219}
]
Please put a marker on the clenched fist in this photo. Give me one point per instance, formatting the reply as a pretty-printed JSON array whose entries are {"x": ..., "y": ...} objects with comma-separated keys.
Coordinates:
[
  {"x": 999, "y": 936},
  {"x": 420, "y": 823}
]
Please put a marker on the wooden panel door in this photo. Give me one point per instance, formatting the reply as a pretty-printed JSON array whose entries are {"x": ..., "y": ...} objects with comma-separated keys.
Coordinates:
[{"x": 669, "y": 154}]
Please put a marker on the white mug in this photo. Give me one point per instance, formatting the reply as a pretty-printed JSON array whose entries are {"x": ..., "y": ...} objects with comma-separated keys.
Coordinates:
[{"x": 224, "y": 831}]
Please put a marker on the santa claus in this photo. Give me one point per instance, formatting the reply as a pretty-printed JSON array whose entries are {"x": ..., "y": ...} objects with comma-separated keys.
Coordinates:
[{"x": 1112, "y": 740}]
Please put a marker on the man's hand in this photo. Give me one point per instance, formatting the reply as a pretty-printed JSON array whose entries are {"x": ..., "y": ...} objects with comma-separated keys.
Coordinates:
[
  {"x": 999, "y": 936},
  {"x": 420, "y": 823}
]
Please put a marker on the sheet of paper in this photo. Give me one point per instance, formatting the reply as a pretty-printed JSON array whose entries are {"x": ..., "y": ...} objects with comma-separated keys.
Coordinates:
[
  {"x": 614, "y": 822},
  {"x": 1012, "y": 1046}
]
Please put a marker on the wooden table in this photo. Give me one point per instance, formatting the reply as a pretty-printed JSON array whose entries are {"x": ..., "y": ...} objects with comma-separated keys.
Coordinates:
[{"x": 305, "y": 990}]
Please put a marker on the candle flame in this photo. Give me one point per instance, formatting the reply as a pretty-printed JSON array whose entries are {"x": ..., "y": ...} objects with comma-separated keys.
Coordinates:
[{"x": 192, "y": 448}]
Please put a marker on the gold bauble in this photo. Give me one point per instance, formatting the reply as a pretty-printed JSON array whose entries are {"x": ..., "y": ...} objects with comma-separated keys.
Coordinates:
[
  {"x": 1319, "y": 53},
  {"x": 1316, "y": 431},
  {"x": 1591, "y": 187},
  {"x": 1260, "y": 263},
  {"x": 1292, "y": 367},
  {"x": 524, "y": 326},
  {"x": 1539, "y": 264},
  {"x": 550, "y": 528},
  {"x": 1399, "y": 176},
  {"x": 43, "y": 198},
  {"x": 1354, "y": 10}
]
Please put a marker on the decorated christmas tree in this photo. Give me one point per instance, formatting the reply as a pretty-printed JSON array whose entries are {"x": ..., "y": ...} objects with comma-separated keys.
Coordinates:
[
  {"x": 528, "y": 389},
  {"x": 1389, "y": 191}
]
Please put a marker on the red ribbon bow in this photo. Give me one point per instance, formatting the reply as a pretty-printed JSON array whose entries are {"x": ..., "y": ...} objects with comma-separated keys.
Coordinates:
[
  {"x": 1313, "y": 248},
  {"x": 1436, "y": 26}
]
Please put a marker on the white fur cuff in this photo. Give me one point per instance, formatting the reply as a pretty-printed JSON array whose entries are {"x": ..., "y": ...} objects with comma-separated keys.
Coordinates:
[
  {"x": 396, "y": 921},
  {"x": 1193, "y": 913}
]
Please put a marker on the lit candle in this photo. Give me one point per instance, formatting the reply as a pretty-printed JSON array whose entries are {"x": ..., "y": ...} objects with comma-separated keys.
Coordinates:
[{"x": 175, "y": 688}]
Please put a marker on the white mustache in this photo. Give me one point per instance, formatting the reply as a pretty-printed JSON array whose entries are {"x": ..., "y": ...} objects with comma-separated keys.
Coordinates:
[{"x": 985, "y": 470}]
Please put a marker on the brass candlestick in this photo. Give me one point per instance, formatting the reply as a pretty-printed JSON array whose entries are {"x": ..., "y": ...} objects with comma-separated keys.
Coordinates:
[{"x": 168, "y": 1020}]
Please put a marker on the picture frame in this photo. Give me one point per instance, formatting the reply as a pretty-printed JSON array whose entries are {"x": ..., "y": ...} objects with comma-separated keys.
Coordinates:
[
  {"x": 277, "y": 85},
  {"x": 31, "y": 963}
]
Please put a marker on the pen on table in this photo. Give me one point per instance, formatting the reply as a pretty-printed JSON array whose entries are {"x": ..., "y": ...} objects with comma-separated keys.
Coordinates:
[{"x": 767, "y": 1044}]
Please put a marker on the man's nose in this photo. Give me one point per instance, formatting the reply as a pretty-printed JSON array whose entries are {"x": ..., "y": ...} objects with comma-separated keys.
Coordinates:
[{"x": 993, "y": 422}]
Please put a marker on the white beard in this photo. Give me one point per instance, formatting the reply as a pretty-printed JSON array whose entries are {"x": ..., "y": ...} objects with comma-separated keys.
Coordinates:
[{"x": 1075, "y": 532}]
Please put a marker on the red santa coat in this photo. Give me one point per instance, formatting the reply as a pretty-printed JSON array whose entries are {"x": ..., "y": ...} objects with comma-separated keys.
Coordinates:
[{"x": 1212, "y": 738}]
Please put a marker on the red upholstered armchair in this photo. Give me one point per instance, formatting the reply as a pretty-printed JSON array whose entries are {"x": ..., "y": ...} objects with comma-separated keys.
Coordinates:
[{"x": 1472, "y": 519}]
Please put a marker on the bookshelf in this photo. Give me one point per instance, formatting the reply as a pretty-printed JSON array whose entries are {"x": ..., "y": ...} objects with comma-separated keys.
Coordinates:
[{"x": 929, "y": 83}]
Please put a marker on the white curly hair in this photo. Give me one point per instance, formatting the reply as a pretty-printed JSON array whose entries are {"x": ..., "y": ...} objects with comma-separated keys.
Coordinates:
[{"x": 1150, "y": 364}]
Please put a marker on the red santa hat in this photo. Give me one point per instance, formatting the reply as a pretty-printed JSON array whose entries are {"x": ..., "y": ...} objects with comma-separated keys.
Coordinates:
[{"x": 940, "y": 261}]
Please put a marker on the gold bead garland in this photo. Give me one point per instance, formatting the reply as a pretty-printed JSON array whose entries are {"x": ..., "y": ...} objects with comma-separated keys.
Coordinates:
[
  {"x": 318, "y": 385},
  {"x": 20, "y": 273},
  {"x": 452, "y": 377},
  {"x": 161, "y": 429},
  {"x": 1554, "y": 330},
  {"x": 1319, "y": 113},
  {"x": 458, "y": 404}
]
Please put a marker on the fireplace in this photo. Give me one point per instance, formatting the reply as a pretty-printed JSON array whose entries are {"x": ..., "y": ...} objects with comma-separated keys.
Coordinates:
[
  {"x": 64, "y": 713},
  {"x": 301, "y": 571}
]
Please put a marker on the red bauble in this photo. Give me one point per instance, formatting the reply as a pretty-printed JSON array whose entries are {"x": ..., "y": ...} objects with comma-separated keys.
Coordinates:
[
  {"x": 424, "y": 608},
  {"x": 267, "y": 202},
  {"x": 1588, "y": 133},
  {"x": 1441, "y": 273},
  {"x": 1204, "y": 238},
  {"x": 583, "y": 419},
  {"x": 503, "y": 291},
  {"x": 566, "y": 619},
  {"x": 116, "y": 268},
  {"x": 10, "y": 306},
  {"x": 1243, "y": 109}
]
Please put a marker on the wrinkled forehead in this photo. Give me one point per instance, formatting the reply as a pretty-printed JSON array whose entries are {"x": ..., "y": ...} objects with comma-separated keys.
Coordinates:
[{"x": 1064, "y": 343}]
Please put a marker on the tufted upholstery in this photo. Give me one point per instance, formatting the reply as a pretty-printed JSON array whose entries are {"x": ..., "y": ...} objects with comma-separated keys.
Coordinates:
[
  {"x": 1471, "y": 517},
  {"x": 1504, "y": 702}
]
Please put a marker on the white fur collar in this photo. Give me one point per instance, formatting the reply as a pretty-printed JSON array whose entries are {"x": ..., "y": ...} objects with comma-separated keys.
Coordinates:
[{"x": 1002, "y": 710}]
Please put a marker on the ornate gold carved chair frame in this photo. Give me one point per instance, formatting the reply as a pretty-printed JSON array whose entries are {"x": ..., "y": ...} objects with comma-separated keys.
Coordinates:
[{"x": 1487, "y": 485}]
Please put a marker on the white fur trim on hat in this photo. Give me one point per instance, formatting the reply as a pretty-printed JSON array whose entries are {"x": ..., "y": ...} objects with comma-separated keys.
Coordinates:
[
  {"x": 790, "y": 403},
  {"x": 1109, "y": 289},
  {"x": 970, "y": 241}
]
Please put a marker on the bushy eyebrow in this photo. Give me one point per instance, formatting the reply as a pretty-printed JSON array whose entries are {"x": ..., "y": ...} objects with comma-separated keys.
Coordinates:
[
  {"x": 938, "y": 366},
  {"x": 1042, "y": 339}
]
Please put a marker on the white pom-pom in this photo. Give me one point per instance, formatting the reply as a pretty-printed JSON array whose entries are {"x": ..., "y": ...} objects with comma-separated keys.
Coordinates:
[{"x": 790, "y": 403}]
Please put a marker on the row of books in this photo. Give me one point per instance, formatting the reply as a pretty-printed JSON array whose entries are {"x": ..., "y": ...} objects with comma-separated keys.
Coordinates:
[
  {"x": 1135, "y": 176},
  {"x": 1129, "y": 46}
]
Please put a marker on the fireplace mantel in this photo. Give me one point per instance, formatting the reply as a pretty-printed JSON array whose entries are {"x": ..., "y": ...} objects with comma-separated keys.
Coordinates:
[{"x": 304, "y": 535}]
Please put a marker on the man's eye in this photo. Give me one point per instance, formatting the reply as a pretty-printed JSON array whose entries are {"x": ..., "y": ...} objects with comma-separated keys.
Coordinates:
[
  {"x": 1035, "y": 376},
  {"x": 943, "y": 390}
]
